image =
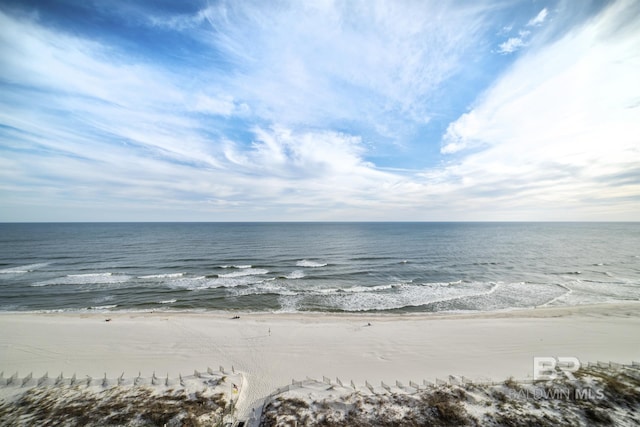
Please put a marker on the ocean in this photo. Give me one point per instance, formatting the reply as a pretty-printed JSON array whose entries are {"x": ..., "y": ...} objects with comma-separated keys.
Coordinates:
[{"x": 321, "y": 267}]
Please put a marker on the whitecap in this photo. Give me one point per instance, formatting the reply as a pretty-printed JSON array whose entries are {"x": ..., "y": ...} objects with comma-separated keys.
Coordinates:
[
  {"x": 168, "y": 301},
  {"x": 407, "y": 295},
  {"x": 261, "y": 288},
  {"x": 86, "y": 279},
  {"x": 162, "y": 276},
  {"x": 358, "y": 289},
  {"x": 245, "y": 272},
  {"x": 90, "y": 275},
  {"x": 23, "y": 268},
  {"x": 202, "y": 282},
  {"x": 310, "y": 264},
  {"x": 103, "y": 307},
  {"x": 289, "y": 303},
  {"x": 297, "y": 274}
]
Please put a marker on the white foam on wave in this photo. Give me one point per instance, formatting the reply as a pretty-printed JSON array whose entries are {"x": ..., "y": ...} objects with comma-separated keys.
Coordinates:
[
  {"x": 91, "y": 275},
  {"x": 103, "y": 299},
  {"x": 162, "y": 276},
  {"x": 23, "y": 268},
  {"x": 203, "y": 282},
  {"x": 86, "y": 279},
  {"x": 103, "y": 307},
  {"x": 310, "y": 264},
  {"x": 559, "y": 298},
  {"x": 241, "y": 267},
  {"x": 354, "y": 289},
  {"x": 296, "y": 274},
  {"x": 407, "y": 295},
  {"x": 168, "y": 301},
  {"x": 588, "y": 291},
  {"x": 262, "y": 288},
  {"x": 245, "y": 272},
  {"x": 289, "y": 304}
]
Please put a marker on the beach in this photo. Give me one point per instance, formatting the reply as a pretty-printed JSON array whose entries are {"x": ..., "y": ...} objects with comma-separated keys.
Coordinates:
[{"x": 271, "y": 349}]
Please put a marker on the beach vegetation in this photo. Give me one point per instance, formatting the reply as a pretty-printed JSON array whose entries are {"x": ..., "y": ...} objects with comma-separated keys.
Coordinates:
[
  {"x": 137, "y": 406},
  {"x": 599, "y": 397}
]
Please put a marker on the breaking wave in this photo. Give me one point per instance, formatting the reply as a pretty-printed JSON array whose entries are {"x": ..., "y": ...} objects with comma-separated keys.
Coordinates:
[
  {"x": 310, "y": 264},
  {"x": 86, "y": 279},
  {"x": 23, "y": 268}
]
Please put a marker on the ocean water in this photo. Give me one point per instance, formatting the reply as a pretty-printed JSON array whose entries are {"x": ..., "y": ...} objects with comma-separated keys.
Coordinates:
[{"x": 327, "y": 267}]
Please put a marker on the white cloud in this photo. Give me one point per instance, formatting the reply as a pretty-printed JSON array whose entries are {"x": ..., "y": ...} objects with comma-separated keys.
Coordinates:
[
  {"x": 324, "y": 158},
  {"x": 511, "y": 45},
  {"x": 220, "y": 105},
  {"x": 559, "y": 129},
  {"x": 91, "y": 129},
  {"x": 103, "y": 137},
  {"x": 361, "y": 62},
  {"x": 538, "y": 19}
]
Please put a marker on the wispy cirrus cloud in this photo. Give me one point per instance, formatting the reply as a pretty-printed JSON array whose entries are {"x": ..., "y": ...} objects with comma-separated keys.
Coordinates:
[
  {"x": 538, "y": 19},
  {"x": 333, "y": 62},
  {"x": 312, "y": 111},
  {"x": 554, "y": 129}
]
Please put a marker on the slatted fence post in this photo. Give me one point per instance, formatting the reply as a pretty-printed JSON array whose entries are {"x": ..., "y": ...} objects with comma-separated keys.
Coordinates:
[
  {"x": 369, "y": 386},
  {"x": 12, "y": 379},
  {"x": 26, "y": 379},
  {"x": 43, "y": 379}
]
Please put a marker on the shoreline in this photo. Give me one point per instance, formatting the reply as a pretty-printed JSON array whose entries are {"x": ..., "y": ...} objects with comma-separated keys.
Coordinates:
[
  {"x": 628, "y": 307},
  {"x": 271, "y": 349}
]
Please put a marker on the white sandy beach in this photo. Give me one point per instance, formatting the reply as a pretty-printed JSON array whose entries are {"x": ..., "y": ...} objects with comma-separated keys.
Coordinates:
[{"x": 272, "y": 349}]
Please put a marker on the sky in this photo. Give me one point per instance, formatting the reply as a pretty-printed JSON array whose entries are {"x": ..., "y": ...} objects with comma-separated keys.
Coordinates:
[{"x": 323, "y": 110}]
